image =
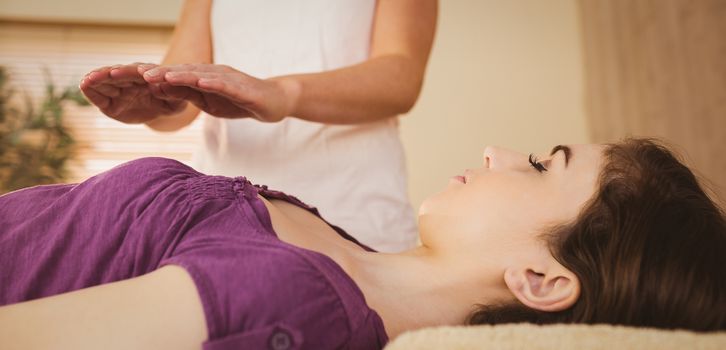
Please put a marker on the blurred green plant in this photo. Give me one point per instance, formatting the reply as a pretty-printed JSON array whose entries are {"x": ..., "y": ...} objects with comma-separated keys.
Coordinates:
[{"x": 35, "y": 145}]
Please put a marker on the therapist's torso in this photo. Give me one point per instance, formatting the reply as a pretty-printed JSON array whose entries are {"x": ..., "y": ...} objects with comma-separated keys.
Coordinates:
[{"x": 354, "y": 174}]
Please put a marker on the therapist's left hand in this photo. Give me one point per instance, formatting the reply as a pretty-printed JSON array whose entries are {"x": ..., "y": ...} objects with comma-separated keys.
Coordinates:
[{"x": 222, "y": 91}]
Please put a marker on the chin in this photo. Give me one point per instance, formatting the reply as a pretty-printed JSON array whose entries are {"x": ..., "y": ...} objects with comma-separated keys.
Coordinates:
[
  {"x": 425, "y": 206},
  {"x": 428, "y": 206}
]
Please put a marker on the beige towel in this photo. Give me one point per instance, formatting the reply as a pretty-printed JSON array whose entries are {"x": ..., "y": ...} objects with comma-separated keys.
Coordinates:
[{"x": 532, "y": 337}]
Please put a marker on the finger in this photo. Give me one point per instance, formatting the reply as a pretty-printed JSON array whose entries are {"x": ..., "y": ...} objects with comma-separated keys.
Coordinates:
[
  {"x": 85, "y": 82},
  {"x": 126, "y": 73},
  {"x": 143, "y": 67},
  {"x": 104, "y": 76},
  {"x": 158, "y": 104},
  {"x": 213, "y": 84},
  {"x": 107, "y": 90},
  {"x": 183, "y": 78},
  {"x": 184, "y": 93},
  {"x": 222, "y": 85},
  {"x": 175, "y": 96},
  {"x": 98, "y": 70},
  {"x": 96, "y": 98},
  {"x": 193, "y": 67},
  {"x": 125, "y": 84},
  {"x": 192, "y": 80},
  {"x": 169, "y": 106},
  {"x": 156, "y": 91},
  {"x": 159, "y": 90},
  {"x": 156, "y": 73},
  {"x": 98, "y": 76},
  {"x": 175, "y": 106}
]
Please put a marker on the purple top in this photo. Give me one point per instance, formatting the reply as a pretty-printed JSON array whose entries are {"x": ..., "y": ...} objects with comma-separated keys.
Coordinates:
[{"x": 256, "y": 290}]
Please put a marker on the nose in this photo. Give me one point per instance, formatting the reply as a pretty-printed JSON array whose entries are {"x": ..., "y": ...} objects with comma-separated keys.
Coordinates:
[{"x": 502, "y": 158}]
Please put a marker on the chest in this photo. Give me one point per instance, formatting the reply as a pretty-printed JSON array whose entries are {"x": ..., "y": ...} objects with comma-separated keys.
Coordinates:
[{"x": 302, "y": 228}]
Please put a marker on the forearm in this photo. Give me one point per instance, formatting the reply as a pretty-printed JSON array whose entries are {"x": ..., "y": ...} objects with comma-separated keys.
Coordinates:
[
  {"x": 174, "y": 122},
  {"x": 378, "y": 88}
]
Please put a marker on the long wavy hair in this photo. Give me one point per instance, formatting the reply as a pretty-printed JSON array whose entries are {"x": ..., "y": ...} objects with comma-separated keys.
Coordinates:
[{"x": 649, "y": 249}]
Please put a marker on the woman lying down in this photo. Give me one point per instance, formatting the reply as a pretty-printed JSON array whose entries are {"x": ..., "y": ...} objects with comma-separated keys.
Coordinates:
[{"x": 155, "y": 255}]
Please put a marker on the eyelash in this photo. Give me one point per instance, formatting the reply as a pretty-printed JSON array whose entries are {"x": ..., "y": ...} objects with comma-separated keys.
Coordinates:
[{"x": 536, "y": 164}]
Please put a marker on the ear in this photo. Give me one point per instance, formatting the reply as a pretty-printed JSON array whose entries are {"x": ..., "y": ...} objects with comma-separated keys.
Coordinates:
[{"x": 547, "y": 286}]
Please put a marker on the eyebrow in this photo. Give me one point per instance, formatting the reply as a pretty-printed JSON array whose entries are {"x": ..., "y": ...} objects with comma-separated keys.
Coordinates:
[{"x": 567, "y": 150}]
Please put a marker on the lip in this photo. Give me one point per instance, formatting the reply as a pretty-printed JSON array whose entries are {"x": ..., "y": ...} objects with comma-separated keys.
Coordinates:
[{"x": 459, "y": 178}]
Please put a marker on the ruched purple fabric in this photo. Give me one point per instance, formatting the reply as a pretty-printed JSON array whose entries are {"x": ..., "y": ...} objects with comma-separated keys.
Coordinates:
[{"x": 256, "y": 290}]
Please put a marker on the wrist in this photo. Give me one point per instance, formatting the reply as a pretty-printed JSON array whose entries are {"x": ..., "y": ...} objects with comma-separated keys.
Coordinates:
[{"x": 291, "y": 89}]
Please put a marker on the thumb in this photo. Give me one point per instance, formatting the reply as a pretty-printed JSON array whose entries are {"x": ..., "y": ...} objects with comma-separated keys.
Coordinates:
[{"x": 143, "y": 67}]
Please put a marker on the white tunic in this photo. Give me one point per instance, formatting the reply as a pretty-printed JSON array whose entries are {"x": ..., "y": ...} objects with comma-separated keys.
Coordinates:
[{"x": 355, "y": 175}]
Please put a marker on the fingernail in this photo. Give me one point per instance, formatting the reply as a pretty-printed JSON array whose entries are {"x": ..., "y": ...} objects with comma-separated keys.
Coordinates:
[
  {"x": 152, "y": 72},
  {"x": 146, "y": 66}
]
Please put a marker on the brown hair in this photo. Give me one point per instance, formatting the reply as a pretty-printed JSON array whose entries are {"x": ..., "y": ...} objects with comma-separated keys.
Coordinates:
[{"x": 649, "y": 249}]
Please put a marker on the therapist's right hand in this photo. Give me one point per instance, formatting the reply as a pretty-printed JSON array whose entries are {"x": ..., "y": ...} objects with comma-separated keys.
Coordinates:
[{"x": 121, "y": 93}]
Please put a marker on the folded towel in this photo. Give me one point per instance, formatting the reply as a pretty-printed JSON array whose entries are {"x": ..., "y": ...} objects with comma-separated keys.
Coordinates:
[{"x": 533, "y": 337}]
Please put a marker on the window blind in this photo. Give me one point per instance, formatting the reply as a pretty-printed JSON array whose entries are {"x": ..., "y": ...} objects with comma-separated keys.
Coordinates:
[{"x": 69, "y": 51}]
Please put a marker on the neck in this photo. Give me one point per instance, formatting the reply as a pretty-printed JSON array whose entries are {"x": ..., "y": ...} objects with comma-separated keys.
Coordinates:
[
  {"x": 414, "y": 289},
  {"x": 409, "y": 290}
]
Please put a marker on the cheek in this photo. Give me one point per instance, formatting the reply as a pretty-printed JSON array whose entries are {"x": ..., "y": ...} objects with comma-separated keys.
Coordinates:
[
  {"x": 461, "y": 209},
  {"x": 459, "y": 199},
  {"x": 511, "y": 211},
  {"x": 491, "y": 206}
]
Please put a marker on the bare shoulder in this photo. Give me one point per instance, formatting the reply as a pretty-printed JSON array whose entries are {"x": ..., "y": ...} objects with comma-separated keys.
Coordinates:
[{"x": 159, "y": 310}]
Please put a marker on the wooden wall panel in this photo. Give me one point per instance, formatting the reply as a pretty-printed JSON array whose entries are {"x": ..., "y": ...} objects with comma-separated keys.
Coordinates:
[{"x": 658, "y": 68}]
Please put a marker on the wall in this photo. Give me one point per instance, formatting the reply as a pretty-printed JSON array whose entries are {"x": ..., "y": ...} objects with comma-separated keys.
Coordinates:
[{"x": 502, "y": 72}]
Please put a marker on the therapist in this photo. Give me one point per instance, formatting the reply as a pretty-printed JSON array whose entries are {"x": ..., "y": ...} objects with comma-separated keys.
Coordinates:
[{"x": 301, "y": 95}]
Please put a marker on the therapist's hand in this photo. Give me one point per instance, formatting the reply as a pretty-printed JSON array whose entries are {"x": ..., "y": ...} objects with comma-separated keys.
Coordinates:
[
  {"x": 121, "y": 93},
  {"x": 223, "y": 91}
]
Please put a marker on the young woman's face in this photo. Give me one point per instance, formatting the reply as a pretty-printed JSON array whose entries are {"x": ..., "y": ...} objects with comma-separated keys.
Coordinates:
[{"x": 508, "y": 201}]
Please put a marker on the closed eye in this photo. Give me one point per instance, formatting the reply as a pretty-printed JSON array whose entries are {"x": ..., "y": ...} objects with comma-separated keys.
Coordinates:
[{"x": 536, "y": 164}]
